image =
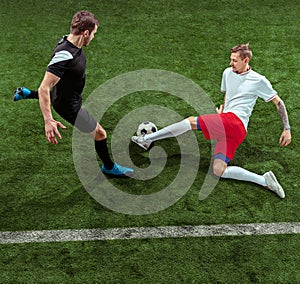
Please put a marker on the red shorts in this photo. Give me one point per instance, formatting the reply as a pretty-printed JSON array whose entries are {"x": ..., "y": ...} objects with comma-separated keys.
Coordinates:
[{"x": 226, "y": 128}]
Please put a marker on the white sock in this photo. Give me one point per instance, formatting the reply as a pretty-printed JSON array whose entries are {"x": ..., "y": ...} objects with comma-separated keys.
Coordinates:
[
  {"x": 172, "y": 130},
  {"x": 242, "y": 174}
]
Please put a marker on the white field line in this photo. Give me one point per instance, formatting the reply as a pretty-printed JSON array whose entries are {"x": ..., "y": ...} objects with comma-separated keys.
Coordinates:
[{"x": 149, "y": 232}]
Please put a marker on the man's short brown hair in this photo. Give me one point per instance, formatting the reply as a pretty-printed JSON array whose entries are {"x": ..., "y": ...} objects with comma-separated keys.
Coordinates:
[
  {"x": 82, "y": 21},
  {"x": 243, "y": 50}
]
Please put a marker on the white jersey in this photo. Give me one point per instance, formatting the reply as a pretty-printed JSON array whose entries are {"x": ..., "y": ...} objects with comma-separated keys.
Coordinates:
[{"x": 242, "y": 91}]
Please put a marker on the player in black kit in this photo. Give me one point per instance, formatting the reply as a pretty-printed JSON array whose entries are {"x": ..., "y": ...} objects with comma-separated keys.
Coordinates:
[{"x": 62, "y": 86}]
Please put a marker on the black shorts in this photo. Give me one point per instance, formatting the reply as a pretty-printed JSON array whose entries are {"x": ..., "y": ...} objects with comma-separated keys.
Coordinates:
[{"x": 82, "y": 120}]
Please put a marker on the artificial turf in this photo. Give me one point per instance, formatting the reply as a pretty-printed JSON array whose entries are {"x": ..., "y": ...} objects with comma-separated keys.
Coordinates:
[{"x": 40, "y": 188}]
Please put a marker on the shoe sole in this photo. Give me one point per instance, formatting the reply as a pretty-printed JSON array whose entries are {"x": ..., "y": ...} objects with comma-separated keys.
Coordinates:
[
  {"x": 139, "y": 144},
  {"x": 117, "y": 176},
  {"x": 282, "y": 194},
  {"x": 127, "y": 175}
]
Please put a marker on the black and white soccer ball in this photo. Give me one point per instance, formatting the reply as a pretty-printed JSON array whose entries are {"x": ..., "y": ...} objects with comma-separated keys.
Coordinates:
[{"x": 146, "y": 127}]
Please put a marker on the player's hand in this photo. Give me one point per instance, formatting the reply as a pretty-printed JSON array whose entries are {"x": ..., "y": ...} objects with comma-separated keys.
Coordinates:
[
  {"x": 285, "y": 138},
  {"x": 51, "y": 130},
  {"x": 220, "y": 109}
]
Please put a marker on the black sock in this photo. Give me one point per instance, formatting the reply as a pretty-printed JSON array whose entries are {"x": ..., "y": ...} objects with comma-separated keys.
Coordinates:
[
  {"x": 33, "y": 95},
  {"x": 102, "y": 151}
]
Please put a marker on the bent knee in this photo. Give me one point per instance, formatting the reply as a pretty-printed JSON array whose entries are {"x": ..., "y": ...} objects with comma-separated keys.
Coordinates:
[
  {"x": 219, "y": 168},
  {"x": 193, "y": 122},
  {"x": 99, "y": 133}
]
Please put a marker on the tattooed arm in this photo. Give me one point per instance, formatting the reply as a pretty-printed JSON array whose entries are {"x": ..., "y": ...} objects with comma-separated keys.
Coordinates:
[{"x": 285, "y": 138}]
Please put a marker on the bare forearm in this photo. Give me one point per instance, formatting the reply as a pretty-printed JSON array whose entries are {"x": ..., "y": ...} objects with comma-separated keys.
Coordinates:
[
  {"x": 45, "y": 103},
  {"x": 49, "y": 81},
  {"x": 283, "y": 115}
]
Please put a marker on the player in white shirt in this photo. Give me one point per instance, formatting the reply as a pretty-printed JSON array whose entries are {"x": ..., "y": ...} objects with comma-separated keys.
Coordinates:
[{"x": 241, "y": 87}]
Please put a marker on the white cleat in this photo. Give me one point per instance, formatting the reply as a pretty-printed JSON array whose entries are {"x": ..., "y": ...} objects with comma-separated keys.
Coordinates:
[
  {"x": 139, "y": 140},
  {"x": 273, "y": 184}
]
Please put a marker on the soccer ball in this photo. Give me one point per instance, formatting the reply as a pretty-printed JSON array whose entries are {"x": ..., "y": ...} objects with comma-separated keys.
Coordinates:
[{"x": 146, "y": 127}]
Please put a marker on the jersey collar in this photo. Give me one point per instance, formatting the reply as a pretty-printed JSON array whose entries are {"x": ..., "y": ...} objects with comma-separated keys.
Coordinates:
[{"x": 246, "y": 72}]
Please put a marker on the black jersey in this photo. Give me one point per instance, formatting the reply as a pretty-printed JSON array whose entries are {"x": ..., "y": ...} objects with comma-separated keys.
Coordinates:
[{"x": 68, "y": 63}]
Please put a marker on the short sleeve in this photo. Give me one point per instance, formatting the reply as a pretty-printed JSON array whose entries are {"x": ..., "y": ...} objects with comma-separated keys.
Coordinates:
[
  {"x": 223, "y": 82},
  {"x": 265, "y": 90},
  {"x": 59, "y": 62}
]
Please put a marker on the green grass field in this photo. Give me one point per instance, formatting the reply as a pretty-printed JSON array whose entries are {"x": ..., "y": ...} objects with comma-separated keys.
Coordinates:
[{"x": 40, "y": 189}]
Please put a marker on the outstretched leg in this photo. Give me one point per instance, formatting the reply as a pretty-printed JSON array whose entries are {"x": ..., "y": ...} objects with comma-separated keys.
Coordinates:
[{"x": 172, "y": 130}]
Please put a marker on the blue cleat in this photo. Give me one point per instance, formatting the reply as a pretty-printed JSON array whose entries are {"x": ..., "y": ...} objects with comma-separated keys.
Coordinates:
[
  {"x": 21, "y": 93},
  {"x": 118, "y": 171}
]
